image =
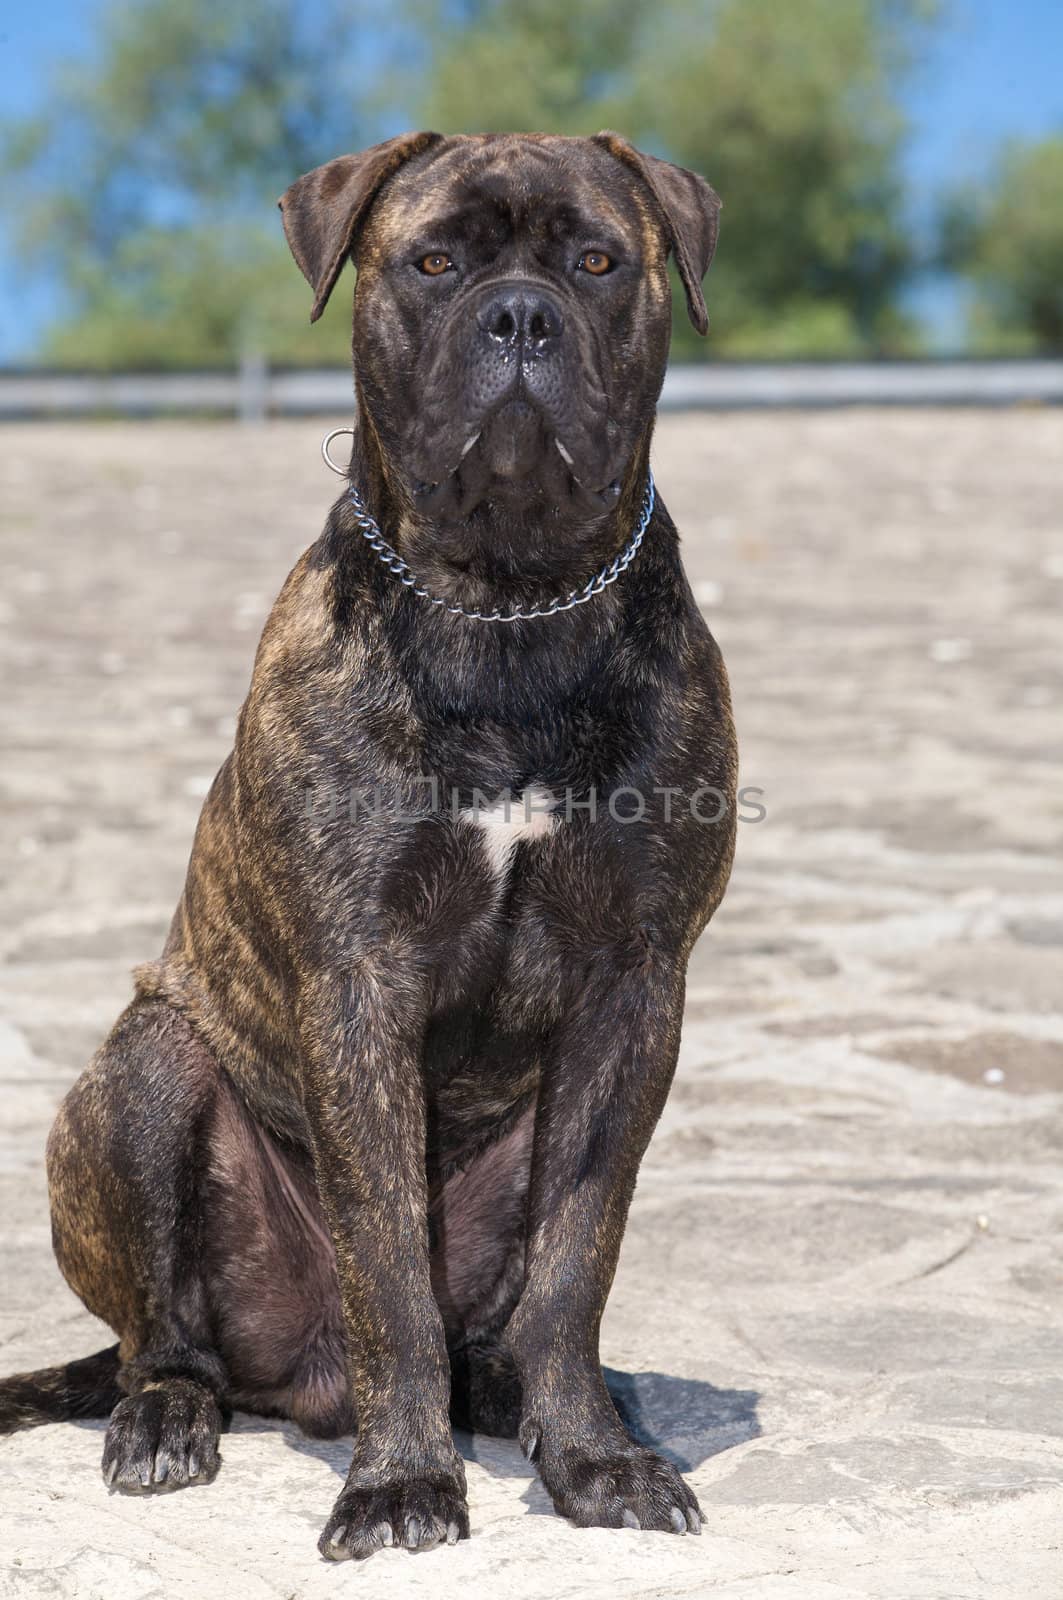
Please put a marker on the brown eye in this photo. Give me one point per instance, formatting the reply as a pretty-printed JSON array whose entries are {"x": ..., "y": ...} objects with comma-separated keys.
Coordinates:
[
  {"x": 595, "y": 262},
  {"x": 436, "y": 263}
]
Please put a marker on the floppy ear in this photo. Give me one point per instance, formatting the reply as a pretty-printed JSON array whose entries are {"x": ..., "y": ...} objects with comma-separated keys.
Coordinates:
[
  {"x": 690, "y": 209},
  {"x": 323, "y": 211}
]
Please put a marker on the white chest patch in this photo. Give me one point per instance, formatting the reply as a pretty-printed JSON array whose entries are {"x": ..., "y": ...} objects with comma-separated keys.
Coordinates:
[{"x": 503, "y": 825}]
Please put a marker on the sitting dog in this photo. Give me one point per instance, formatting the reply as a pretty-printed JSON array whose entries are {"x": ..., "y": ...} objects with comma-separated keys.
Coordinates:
[{"x": 360, "y": 1151}]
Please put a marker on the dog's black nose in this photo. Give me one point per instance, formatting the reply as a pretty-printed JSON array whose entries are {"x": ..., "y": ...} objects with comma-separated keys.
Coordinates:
[{"x": 521, "y": 316}]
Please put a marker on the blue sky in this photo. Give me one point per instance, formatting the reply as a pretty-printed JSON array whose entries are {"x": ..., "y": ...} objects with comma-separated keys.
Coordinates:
[{"x": 995, "y": 69}]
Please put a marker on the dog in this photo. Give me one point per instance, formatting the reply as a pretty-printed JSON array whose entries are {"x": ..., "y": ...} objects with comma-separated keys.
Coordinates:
[{"x": 361, "y": 1149}]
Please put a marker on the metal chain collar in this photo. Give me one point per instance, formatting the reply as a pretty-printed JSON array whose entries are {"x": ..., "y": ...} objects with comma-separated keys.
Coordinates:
[{"x": 370, "y": 531}]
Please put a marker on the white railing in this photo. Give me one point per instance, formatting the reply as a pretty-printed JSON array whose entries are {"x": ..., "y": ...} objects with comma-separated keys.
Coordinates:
[{"x": 254, "y": 391}]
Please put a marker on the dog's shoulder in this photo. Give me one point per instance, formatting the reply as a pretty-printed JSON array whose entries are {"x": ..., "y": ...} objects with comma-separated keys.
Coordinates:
[{"x": 310, "y": 626}]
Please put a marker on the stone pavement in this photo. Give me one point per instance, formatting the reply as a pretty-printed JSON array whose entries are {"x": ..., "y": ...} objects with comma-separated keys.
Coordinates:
[{"x": 840, "y": 1302}]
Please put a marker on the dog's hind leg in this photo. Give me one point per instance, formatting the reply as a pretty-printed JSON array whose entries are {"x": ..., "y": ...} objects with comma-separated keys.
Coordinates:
[
  {"x": 485, "y": 1393},
  {"x": 124, "y": 1160},
  {"x": 477, "y": 1229}
]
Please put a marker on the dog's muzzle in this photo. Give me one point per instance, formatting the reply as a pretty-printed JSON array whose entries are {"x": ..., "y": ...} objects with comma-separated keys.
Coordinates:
[
  {"x": 518, "y": 355},
  {"x": 512, "y": 403}
]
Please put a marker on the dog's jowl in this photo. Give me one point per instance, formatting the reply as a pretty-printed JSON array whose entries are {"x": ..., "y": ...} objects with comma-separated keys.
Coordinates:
[{"x": 361, "y": 1149}]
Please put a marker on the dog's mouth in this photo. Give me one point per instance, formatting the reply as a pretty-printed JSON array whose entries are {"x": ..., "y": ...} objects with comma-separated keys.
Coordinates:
[{"x": 517, "y": 454}]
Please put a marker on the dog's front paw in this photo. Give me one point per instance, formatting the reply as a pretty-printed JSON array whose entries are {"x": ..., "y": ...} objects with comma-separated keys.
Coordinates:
[
  {"x": 414, "y": 1513},
  {"x": 617, "y": 1484},
  {"x": 163, "y": 1438}
]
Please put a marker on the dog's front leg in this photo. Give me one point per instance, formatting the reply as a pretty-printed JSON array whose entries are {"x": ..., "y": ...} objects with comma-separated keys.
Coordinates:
[
  {"x": 604, "y": 1084},
  {"x": 365, "y": 1100}
]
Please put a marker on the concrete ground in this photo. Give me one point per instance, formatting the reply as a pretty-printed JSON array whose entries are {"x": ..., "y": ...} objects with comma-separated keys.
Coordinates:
[{"x": 840, "y": 1302}]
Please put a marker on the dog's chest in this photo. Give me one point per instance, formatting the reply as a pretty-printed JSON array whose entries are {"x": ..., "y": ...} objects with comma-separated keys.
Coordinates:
[
  {"x": 502, "y": 826},
  {"x": 493, "y": 995}
]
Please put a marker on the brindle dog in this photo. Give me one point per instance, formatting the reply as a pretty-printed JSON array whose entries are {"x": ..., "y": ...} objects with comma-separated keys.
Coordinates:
[{"x": 361, "y": 1149}]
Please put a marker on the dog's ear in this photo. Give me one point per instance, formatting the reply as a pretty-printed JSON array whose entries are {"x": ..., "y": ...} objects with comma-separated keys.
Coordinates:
[
  {"x": 323, "y": 211},
  {"x": 690, "y": 210}
]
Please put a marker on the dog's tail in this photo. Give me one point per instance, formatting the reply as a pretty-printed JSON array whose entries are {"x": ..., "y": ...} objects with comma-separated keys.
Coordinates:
[{"x": 85, "y": 1388}]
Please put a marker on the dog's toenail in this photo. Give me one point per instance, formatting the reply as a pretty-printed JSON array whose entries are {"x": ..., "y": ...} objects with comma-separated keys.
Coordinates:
[
  {"x": 629, "y": 1519},
  {"x": 679, "y": 1522},
  {"x": 453, "y": 1533}
]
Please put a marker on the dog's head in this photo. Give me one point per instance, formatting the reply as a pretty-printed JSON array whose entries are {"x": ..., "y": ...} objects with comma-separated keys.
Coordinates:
[{"x": 512, "y": 309}]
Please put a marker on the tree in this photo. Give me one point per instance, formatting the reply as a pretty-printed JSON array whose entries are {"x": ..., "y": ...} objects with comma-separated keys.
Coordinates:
[
  {"x": 790, "y": 110},
  {"x": 150, "y": 197},
  {"x": 1005, "y": 236},
  {"x": 148, "y": 187}
]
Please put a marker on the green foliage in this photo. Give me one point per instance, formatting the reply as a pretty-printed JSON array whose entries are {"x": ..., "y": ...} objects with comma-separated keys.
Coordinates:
[
  {"x": 548, "y": 66},
  {"x": 149, "y": 185},
  {"x": 198, "y": 297},
  {"x": 1006, "y": 237},
  {"x": 150, "y": 192},
  {"x": 789, "y": 110}
]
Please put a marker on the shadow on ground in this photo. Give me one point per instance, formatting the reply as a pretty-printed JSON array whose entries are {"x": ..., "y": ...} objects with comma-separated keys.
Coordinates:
[{"x": 685, "y": 1420}]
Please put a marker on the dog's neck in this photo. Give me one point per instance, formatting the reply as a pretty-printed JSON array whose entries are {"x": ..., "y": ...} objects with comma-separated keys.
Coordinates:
[
  {"x": 504, "y": 555},
  {"x": 505, "y": 548}
]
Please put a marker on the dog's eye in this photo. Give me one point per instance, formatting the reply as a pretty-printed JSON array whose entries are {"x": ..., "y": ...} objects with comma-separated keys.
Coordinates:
[
  {"x": 435, "y": 264},
  {"x": 596, "y": 262}
]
